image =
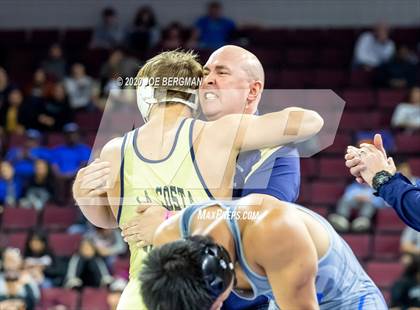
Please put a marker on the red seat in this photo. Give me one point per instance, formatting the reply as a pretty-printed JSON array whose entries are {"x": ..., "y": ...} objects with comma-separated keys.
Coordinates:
[
  {"x": 94, "y": 299},
  {"x": 408, "y": 144},
  {"x": 58, "y": 217},
  {"x": 79, "y": 37},
  {"x": 63, "y": 244},
  {"x": 14, "y": 240},
  {"x": 299, "y": 57},
  {"x": 323, "y": 211},
  {"x": 51, "y": 297},
  {"x": 294, "y": 79},
  {"x": 386, "y": 246},
  {"x": 360, "y": 120},
  {"x": 384, "y": 274},
  {"x": 415, "y": 166},
  {"x": 16, "y": 140},
  {"x": 339, "y": 146},
  {"x": 308, "y": 167},
  {"x": 89, "y": 121},
  {"x": 360, "y": 244},
  {"x": 304, "y": 193},
  {"x": 328, "y": 79},
  {"x": 19, "y": 218},
  {"x": 332, "y": 57},
  {"x": 388, "y": 220},
  {"x": 120, "y": 267},
  {"x": 55, "y": 139},
  {"x": 326, "y": 192},
  {"x": 359, "y": 99},
  {"x": 361, "y": 79},
  {"x": 333, "y": 168},
  {"x": 390, "y": 98}
]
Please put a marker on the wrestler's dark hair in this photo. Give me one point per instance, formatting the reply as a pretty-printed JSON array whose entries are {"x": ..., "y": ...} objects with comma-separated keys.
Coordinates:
[{"x": 172, "y": 277}]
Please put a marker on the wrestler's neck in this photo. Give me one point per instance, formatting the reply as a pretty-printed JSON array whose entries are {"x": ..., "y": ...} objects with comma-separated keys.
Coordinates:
[{"x": 169, "y": 114}]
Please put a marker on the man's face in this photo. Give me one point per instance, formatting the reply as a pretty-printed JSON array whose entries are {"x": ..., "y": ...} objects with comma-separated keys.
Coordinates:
[{"x": 225, "y": 86}]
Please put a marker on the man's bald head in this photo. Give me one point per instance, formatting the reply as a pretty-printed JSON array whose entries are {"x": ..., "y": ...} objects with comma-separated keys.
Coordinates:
[{"x": 247, "y": 60}]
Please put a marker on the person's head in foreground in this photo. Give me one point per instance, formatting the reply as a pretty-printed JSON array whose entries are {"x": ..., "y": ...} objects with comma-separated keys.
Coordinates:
[
  {"x": 232, "y": 84},
  {"x": 194, "y": 273},
  {"x": 171, "y": 78}
]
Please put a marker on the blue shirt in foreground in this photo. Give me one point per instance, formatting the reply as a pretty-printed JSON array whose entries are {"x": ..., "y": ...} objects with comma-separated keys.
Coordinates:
[{"x": 404, "y": 197}]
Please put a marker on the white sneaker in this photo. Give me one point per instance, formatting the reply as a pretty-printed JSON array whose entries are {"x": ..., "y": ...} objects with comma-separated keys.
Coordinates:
[{"x": 339, "y": 222}]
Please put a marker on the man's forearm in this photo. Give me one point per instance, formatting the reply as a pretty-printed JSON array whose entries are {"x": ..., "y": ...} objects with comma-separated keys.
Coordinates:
[
  {"x": 98, "y": 212},
  {"x": 404, "y": 198}
]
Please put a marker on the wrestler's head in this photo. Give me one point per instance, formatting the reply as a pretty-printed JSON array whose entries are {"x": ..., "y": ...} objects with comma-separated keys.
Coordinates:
[
  {"x": 232, "y": 84},
  {"x": 194, "y": 273},
  {"x": 171, "y": 77}
]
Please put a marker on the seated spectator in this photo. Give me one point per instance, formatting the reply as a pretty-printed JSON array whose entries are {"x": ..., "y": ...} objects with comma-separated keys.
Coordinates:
[
  {"x": 67, "y": 160},
  {"x": 17, "y": 288},
  {"x": 405, "y": 293},
  {"x": 400, "y": 71},
  {"x": 144, "y": 33},
  {"x": 108, "y": 34},
  {"x": 5, "y": 88},
  {"x": 23, "y": 158},
  {"x": 212, "y": 30},
  {"x": 55, "y": 111},
  {"x": 115, "y": 291},
  {"x": 79, "y": 88},
  {"x": 10, "y": 187},
  {"x": 40, "y": 87},
  {"x": 108, "y": 243},
  {"x": 118, "y": 65},
  {"x": 41, "y": 263},
  {"x": 40, "y": 188},
  {"x": 356, "y": 197},
  {"x": 407, "y": 114},
  {"x": 410, "y": 245},
  {"x": 55, "y": 65},
  {"x": 87, "y": 268},
  {"x": 16, "y": 115},
  {"x": 172, "y": 36},
  {"x": 373, "y": 48}
]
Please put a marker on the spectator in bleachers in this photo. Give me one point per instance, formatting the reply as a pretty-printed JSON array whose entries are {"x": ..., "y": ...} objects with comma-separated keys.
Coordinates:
[
  {"x": 17, "y": 287},
  {"x": 15, "y": 115},
  {"x": 5, "y": 88},
  {"x": 115, "y": 291},
  {"x": 40, "y": 87},
  {"x": 118, "y": 65},
  {"x": 10, "y": 187},
  {"x": 55, "y": 111},
  {"x": 407, "y": 114},
  {"x": 108, "y": 243},
  {"x": 55, "y": 65},
  {"x": 108, "y": 34},
  {"x": 144, "y": 33},
  {"x": 212, "y": 30},
  {"x": 405, "y": 293},
  {"x": 80, "y": 88},
  {"x": 87, "y": 268},
  {"x": 172, "y": 36},
  {"x": 23, "y": 157},
  {"x": 40, "y": 188},
  {"x": 410, "y": 245},
  {"x": 40, "y": 261},
  {"x": 400, "y": 71},
  {"x": 356, "y": 197},
  {"x": 67, "y": 160},
  {"x": 373, "y": 48}
]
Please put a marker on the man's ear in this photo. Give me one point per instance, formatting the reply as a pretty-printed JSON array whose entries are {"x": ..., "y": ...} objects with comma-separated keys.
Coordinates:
[{"x": 254, "y": 95}]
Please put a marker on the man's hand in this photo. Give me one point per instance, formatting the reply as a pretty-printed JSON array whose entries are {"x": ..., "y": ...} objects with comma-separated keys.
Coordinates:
[
  {"x": 374, "y": 161},
  {"x": 354, "y": 160},
  {"x": 91, "y": 180},
  {"x": 142, "y": 227}
]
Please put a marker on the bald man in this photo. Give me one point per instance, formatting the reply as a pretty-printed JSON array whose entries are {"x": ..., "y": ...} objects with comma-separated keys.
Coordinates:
[{"x": 274, "y": 171}]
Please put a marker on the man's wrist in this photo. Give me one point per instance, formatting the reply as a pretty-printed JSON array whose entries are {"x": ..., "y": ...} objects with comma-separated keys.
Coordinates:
[{"x": 382, "y": 177}]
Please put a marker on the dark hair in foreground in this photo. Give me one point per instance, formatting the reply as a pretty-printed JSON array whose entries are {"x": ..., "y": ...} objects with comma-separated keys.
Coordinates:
[{"x": 172, "y": 278}]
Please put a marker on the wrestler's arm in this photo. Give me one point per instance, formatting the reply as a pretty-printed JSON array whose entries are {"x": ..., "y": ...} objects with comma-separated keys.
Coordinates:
[
  {"x": 253, "y": 132},
  {"x": 287, "y": 254},
  {"x": 92, "y": 195},
  {"x": 168, "y": 231}
]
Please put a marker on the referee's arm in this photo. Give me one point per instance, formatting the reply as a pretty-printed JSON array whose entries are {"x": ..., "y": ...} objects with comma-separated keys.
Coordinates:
[{"x": 404, "y": 197}]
